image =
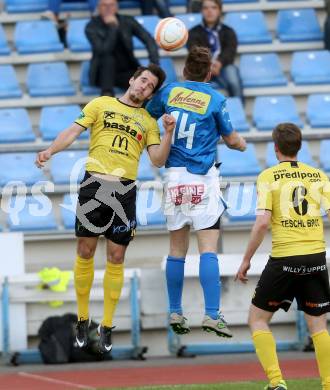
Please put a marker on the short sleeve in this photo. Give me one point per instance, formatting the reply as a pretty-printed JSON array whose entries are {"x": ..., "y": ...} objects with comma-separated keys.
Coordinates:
[
  {"x": 223, "y": 120},
  {"x": 88, "y": 114},
  {"x": 264, "y": 193},
  {"x": 153, "y": 134},
  {"x": 325, "y": 200},
  {"x": 155, "y": 106}
]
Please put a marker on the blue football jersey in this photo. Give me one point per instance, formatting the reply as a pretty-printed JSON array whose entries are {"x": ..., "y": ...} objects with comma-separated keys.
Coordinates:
[{"x": 201, "y": 118}]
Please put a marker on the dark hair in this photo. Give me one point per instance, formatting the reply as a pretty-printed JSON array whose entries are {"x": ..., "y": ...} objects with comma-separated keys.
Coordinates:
[
  {"x": 156, "y": 70},
  {"x": 216, "y": 2},
  {"x": 198, "y": 64},
  {"x": 287, "y": 137}
]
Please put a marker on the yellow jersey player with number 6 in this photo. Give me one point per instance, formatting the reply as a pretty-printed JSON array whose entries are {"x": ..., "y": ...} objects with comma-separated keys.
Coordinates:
[{"x": 291, "y": 198}]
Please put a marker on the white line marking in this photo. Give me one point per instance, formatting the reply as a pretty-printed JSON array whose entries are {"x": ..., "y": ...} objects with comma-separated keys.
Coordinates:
[{"x": 51, "y": 380}]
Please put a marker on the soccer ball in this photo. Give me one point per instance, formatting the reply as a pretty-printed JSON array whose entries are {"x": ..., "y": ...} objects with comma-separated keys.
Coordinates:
[{"x": 171, "y": 34}]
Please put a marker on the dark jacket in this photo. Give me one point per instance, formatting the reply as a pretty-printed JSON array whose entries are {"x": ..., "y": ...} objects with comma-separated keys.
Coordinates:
[
  {"x": 103, "y": 40},
  {"x": 228, "y": 40}
]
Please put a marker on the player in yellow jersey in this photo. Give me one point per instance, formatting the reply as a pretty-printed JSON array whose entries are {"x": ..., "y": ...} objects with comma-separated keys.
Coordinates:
[
  {"x": 120, "y": 130},
  {"x": 291, "y": 196}
]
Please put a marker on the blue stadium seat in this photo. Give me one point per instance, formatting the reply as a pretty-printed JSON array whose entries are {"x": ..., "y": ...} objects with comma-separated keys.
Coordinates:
[
  {"x": 304, "y": 155},
  {"x": 18, "y": 6},
  {"x": 235, "y": 163},
  {"x": 250, "y": 26},
  {"x": 175, "y": 3},
  {"x": 19, "y": 167},
  {"x": 242, "y": 201},
  {"x": 15, "y": 125},
  {"x": 125, "y": 4},
  {"x": 239, "y": 1},
  {"x": 85, "y": 86},
  {"x": 261, "y": 70},
  {"x": 76, "y": 37},
  {"x": 298, "y": 25},
  {"x": 4, "y": 48},
  {"x": 74, "y": 6},
  {"x": 9, "y": 87},
  {"x": 49, "y": 79},
  {"x": 269, "y": 111},
  {"x": 311, "y": 67},
  {"x": 145, "y": 171},
  {"x": 325, "y": 155},
  {"x": 31, "y": 213},
  {"x": 68, "y": 165},
  {"x": 168, "y": 66},
  {"x": 237, "y": 114},
  {"x": 190, "y": 20},
  {"x": 149, "y": 22},
  {"x": 37, "y": 36},
  {"x": 68, "y": 210},
  {"x": 318, "y": 110},
  {"x": 149, "y": 208},
  {"x": 54, "y": 119}
]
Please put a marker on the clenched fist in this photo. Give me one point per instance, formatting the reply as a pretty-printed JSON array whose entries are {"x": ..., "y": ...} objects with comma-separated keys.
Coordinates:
[
  {"x": 42, "y": 157},
  {"x": 169, "y": 123}
]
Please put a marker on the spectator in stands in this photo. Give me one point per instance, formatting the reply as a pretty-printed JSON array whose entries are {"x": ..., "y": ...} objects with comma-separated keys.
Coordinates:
[
  {"x": 120, "y": 130},
  {"x": 327, "y": 26},
  {"x": 162, "y": 7},
  {"x": 222, "y": 42},
  {"x": 192, "y": 194},
  {"x": 291, "y": 202},
  {"x": 110, "y": 34}
]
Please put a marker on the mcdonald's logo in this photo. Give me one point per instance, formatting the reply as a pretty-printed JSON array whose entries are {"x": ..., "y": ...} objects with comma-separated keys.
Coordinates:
[{"x": 120, "y": 141}]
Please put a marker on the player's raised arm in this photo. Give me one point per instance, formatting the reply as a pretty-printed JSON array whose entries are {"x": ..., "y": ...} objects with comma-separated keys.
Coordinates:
[
  {"x": 62, "y": 141},
  {"x": 158, "y": 153}
]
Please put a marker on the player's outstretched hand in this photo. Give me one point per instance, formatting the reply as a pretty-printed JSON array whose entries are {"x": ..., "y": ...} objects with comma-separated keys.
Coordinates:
[
  {"x": 169, "y": 123},
  {"x": 242, "y": 272},
  {"x": 42, "y": 157}
]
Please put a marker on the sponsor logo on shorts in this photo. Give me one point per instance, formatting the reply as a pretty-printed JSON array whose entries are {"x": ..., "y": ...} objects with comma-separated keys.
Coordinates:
[
  {"x": 116, "y": 229},
  {"x": 278, "y": 303},
  {"x": 303, "y": 270},
  {"x": 317, "y": 305},
  {"x": 187, "y": 193}
]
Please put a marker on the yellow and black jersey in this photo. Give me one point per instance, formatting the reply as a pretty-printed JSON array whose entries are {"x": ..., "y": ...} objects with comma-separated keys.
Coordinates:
[
  {"x": 296, "y": 194},
  {"x": 119, "y": 133}
]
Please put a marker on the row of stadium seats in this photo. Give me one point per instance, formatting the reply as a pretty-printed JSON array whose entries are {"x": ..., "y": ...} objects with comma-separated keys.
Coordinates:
[
  {"x": 18, "y": 6},
  {"x": 68, "y": 166},
  {"x": 53, "y": 79},
  {"x": 40, "y": 36},
  {"x": 65, "y": 168},
  {"x": 257, "y": 70},
  {"x": 16, "y": 125}
]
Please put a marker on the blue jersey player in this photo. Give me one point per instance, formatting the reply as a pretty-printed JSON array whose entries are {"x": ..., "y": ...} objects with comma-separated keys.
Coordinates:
[{"x": 192, "y": 191}]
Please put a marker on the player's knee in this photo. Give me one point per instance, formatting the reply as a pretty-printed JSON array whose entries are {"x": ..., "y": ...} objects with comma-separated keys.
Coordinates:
[
  {"x": 85, "y": 250},
  {"x": 115, "y": 257}
]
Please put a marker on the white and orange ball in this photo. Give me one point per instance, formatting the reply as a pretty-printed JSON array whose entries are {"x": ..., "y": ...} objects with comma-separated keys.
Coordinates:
[{"x": 171, "y": 34}]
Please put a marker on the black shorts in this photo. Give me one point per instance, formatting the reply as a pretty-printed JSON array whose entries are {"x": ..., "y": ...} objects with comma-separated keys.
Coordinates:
[
  {"x": 106, "y": 208},
  {"x": 302, "y": 277}
]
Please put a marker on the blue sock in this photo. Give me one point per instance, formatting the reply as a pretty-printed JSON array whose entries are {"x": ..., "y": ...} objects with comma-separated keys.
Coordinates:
[
  {"x": 209, "y": 277},
  {"x": 174, "y": 279}
]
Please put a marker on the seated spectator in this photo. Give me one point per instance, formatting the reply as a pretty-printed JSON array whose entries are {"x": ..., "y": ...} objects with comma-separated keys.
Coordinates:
[
  {"x": 110, "y": 34},
  {"x": 222, "y": 41},
  {"x": 162, "y": 7}
]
